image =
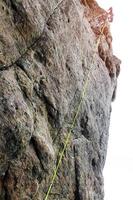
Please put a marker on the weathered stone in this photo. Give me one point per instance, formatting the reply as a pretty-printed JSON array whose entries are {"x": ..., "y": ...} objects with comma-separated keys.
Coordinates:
[{"x": 47, "y": 52}]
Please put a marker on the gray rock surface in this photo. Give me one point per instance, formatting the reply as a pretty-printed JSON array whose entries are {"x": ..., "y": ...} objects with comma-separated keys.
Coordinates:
[{"x": 47, "y": 49}]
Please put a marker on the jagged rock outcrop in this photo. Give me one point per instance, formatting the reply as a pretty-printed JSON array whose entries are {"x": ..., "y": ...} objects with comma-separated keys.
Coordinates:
[{"x": 47, "y": 49}]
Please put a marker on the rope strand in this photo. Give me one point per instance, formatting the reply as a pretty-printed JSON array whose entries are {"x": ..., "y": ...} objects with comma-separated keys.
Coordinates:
[{"x": 83, "y": 93}]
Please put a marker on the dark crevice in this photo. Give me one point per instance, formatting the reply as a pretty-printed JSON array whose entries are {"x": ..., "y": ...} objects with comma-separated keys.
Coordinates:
[
  {"x": 20, "y": 63},
  {"x": 7, "y": 195},
  {"x": 85, "y": 130},
  {"x": 114, "y": 93},
  {"x": 68, "y": 67},
  {"x": 12, "y": 4},
  {"x": 93, "y": 163},
  {"x": 76, "y": 192}
]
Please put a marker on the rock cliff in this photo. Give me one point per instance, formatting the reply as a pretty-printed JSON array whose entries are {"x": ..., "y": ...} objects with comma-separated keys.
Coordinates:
[{"x": 47, "y": 50}]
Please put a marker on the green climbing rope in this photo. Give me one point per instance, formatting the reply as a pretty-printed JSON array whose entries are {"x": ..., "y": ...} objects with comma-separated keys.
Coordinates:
[{"x": 82, "y": 96}]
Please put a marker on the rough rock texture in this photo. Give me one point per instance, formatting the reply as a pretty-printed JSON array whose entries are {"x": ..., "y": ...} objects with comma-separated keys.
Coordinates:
[{"x": 46, "y": 51}]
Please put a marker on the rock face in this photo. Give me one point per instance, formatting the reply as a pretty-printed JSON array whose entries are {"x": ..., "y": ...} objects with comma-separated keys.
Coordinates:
[{"x": 47, "y": 50}]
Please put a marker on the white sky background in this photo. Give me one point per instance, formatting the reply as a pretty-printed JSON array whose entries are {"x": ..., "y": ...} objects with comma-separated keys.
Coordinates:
[{"x": 118, "y": 171}]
